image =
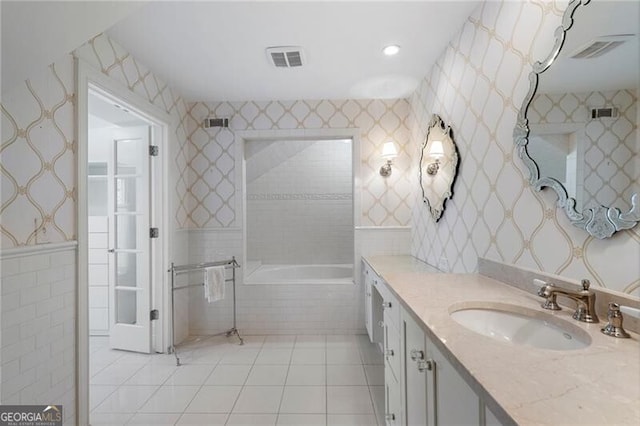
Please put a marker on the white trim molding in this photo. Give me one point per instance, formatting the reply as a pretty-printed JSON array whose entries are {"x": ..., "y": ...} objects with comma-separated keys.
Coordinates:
[{"x": 23, "y": 251}]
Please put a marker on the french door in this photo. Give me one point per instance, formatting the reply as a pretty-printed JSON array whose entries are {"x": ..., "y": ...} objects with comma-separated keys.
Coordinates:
[{"x": 129, "y": 211}]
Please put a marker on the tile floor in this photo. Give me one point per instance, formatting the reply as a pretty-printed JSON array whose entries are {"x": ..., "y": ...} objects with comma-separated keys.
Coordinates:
[{"x": 272, "y": 380}]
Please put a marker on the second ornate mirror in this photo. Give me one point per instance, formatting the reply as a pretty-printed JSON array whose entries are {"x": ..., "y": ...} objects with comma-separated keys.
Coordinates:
[
  {"x": 577, "y": 130},
  {"x": 438, "y": 166}
]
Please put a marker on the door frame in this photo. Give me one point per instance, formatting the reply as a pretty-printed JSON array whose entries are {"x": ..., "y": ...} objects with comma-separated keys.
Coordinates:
[{"x": 90, "y": 79}]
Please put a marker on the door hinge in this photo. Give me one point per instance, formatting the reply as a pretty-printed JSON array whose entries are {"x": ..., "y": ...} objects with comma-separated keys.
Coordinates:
[
  {"x": 154, "y": 150},
  {"x": 154, "y": 232},
  {"x": 155, "y": 314}
]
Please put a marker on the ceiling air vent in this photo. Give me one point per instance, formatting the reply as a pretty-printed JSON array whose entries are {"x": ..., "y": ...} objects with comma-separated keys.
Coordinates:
[
  {"x": 601, "y": 45},
  {"x": 609, "y": 112},
  {"x": 285, "y": 56}
]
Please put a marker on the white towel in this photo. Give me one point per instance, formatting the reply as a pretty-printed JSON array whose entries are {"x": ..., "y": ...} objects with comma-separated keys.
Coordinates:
[{"x": 214, "y": 280}]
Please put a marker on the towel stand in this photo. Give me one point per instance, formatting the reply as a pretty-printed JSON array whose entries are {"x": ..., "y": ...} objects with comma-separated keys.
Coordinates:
[{"x": 182, "y": 269}]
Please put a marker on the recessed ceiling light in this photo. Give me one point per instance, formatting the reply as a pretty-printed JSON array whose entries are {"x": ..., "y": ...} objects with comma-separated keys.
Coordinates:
[{"x": 391, "y": 50}]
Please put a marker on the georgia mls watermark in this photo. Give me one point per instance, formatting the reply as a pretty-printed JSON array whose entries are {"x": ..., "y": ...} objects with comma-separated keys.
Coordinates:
[{"x": 30, "y": 415}]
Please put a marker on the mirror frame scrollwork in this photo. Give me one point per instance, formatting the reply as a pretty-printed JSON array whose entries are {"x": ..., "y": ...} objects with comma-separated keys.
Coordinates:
[
  {"x": 601, "y": 222},
  {"x": 437, "y": 206}
]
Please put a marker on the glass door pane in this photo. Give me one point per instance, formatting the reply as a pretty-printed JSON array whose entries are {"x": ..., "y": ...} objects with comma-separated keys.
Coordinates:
[{"x": 131, "y": 227}]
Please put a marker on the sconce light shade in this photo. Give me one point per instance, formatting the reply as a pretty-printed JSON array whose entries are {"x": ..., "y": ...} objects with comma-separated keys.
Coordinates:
[
  {"x": 436, "y": 150},
  {"x": 389, "y": 152}
]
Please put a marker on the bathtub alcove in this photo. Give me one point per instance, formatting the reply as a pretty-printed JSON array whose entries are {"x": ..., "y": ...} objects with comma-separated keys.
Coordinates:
[{"x": 299, "y": 212}]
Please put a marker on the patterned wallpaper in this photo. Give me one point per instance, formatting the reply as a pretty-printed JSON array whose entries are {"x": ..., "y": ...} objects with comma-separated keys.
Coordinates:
[
  {"x": 38, "y": 142},
  {"x": 612, "y": 171},
  {"x": 38, "y": 158},
  {"x": 210, "y": 198},
  {"x": 477, "y": 86}
]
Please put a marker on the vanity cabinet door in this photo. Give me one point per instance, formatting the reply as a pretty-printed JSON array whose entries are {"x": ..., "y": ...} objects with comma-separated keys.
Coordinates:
[
  {"x": 392, "y": 354},
  {"x": 393, "y": 399},
  {"x": 372, "y": 304},
  {"x": 368, "y": 318},
  {"x": 414, "y": 373},
  {"x": 455, "y": 402}
]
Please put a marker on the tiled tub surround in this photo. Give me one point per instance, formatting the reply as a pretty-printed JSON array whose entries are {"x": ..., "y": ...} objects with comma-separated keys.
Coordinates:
[
  {"x": 281, "y": 309},
  {"x": 270, "y": 309},
  {"x": 595, "y": 385}
]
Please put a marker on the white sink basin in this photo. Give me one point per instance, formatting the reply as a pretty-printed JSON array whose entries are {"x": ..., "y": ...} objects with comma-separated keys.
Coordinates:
[{"x": 519, "y": 325}]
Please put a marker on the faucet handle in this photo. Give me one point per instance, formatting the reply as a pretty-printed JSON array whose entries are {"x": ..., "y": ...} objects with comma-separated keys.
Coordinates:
[
  {"x": 546, "y": 291},
  {"x": 614, "y": 327}
]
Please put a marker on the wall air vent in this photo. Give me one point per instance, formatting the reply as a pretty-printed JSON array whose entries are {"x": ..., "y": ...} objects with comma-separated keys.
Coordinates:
[
  {"x": 285, "y": 56},
  {"x": 609, "y": 112},
  {"x": 600, "y": 45}
]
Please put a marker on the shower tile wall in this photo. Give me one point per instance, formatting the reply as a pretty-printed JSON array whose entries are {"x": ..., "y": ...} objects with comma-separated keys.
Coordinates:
[
  {"x": 477, "y": 86},
  {"x": 299, "y": 202}
]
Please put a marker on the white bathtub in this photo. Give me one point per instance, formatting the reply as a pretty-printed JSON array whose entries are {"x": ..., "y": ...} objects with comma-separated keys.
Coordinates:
[{"x": 301, "y": 274}]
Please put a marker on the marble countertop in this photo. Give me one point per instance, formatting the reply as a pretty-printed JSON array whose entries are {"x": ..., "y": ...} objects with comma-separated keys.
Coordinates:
[{"x": 599, "y": 384}]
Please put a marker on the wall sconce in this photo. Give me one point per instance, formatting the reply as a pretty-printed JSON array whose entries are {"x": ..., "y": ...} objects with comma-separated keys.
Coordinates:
[
  {"x": 389, "y": 152},
  {"x": 436, "y": 151}
]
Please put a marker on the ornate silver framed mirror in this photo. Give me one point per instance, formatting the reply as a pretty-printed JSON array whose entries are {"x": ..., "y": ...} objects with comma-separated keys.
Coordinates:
[
  {"x": 577, "y": 130},
  {"x": 438, "y": 166}
]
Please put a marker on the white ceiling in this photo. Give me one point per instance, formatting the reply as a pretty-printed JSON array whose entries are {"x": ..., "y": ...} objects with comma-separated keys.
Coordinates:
[
  {"x": 215, "y": 50},
  {"x": 38, "y": 33},
  {"x": 104, "y": 113}
]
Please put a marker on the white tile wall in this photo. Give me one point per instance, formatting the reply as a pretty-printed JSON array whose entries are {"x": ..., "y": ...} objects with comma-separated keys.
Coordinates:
[
  {"x": 98, "y": 276},
  {"x": 38, "y": 328},
  {"x": 270, "y": 309},
  {"x": 300, "y": 202}
]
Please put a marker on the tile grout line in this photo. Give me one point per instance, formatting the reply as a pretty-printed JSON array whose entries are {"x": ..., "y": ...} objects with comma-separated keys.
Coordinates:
[
  {"x": 244, "y": 383},
  {"x": 198, "y": 391}
]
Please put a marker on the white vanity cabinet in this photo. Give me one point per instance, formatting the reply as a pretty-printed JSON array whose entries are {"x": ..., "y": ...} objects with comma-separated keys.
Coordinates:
[
  {"x": 421, "y": 386},
  {"x": 435, "y": 394}
]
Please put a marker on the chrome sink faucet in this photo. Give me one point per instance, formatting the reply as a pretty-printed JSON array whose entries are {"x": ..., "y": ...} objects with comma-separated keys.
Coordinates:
[{"x": 585, "y": 298}]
